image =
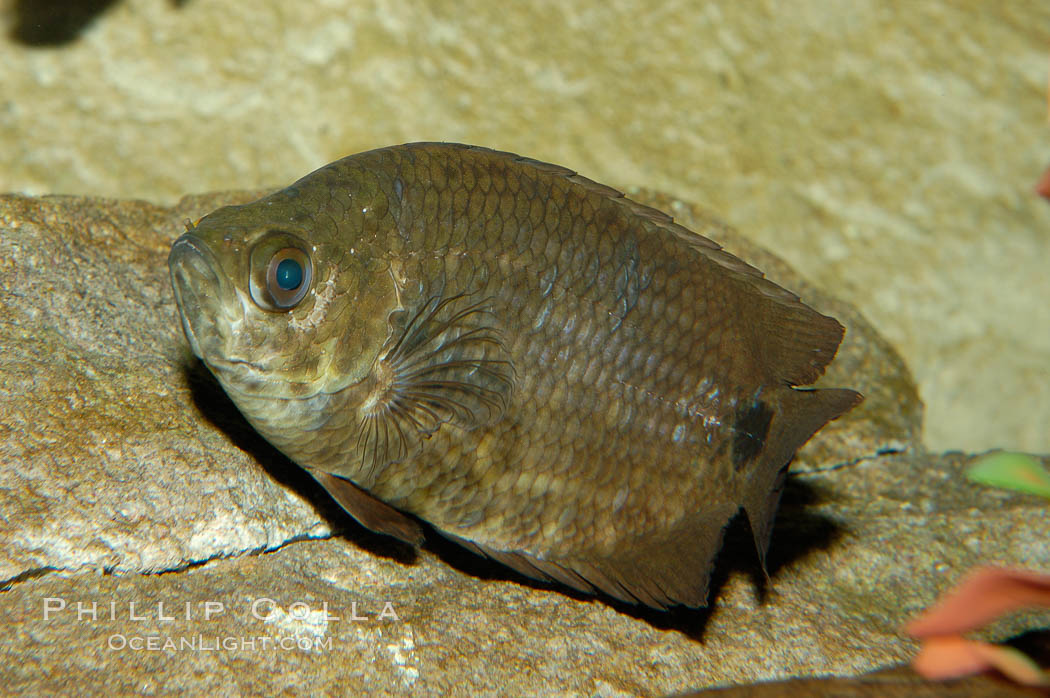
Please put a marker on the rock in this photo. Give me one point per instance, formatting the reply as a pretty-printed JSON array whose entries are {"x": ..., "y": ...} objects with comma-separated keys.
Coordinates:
[
  {"x": 119, "y": 457},
  {"x": 462, "y": 628},
  {"x": 107, "y": 457},
  {"x": 896, "y": 682}
]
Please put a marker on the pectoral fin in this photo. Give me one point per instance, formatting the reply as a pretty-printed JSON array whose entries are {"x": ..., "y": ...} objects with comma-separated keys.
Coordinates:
[{"x": 447, "y": 365}]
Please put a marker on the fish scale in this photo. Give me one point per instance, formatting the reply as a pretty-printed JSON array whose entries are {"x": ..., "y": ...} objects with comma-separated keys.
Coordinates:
[{"x": 544, "y": 371}]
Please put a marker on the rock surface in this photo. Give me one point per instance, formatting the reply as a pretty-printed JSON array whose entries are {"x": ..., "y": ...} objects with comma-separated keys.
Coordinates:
[
  {"x": 119, "y": 457},
  {"x": 897, "y": 682},
  {"x": 869, "y": 550},
  {"x": 104, "y": 458},
  {"x": 888, "y": 150}
]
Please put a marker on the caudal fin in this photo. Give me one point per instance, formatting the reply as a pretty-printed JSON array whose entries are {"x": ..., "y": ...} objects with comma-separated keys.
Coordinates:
[{"x": 796, "y": 417}]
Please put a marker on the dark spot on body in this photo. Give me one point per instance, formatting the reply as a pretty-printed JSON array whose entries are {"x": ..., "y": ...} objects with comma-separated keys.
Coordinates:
[{"x": 750, "y": 429}]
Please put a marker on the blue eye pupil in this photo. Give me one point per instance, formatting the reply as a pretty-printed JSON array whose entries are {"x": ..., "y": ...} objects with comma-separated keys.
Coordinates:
[{"x": 289, "y": 274}]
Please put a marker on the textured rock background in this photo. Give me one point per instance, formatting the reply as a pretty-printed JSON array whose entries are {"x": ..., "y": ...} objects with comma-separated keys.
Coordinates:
[
  {"x": 119, "y": 457},
  {"x": 886, "y": 149},
  {"x": 104, "y": 459}
]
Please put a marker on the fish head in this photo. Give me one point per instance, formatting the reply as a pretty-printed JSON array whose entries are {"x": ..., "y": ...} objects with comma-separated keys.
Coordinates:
[{"x": 280, "y": 302}]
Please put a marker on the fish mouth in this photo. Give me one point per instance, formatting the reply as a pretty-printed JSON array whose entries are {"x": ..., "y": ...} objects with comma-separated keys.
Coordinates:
[{"x": 207, "y": 302}]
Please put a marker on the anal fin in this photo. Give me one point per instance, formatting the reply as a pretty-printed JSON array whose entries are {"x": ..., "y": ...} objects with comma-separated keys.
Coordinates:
[
  {"x": 659, "y": 571},
  {"x": 369, "y": 511}
]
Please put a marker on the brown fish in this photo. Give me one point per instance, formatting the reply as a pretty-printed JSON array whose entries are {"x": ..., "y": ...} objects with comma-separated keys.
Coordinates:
[{"x": 547, "y": 372}]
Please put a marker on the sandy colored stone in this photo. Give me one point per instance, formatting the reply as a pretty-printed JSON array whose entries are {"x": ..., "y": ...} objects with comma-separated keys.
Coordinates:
[
  {"x": 857, "y": 551},
  {"x": 108, "y": 459},
  {"x": 895, "y": 682},
  {"x": 887, "y": 150}
]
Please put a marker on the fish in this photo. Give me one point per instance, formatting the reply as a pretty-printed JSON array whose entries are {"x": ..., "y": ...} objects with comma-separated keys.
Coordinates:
[{"x": 535, "y": 366}]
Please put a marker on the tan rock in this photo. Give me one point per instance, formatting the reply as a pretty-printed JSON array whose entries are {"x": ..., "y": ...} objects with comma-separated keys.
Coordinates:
[
  {"x": 876, "y": 546},
  {"x": 107, "y": 457}
]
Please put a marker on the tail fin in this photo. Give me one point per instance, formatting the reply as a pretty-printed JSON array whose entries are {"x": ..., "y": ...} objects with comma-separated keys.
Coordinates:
[{"x": 798, "y": 415}]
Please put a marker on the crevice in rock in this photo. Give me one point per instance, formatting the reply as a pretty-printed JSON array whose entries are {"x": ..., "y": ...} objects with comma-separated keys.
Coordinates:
[
  {"x": 33, "y": 573},
  {"x": 248, "y": 552},
  {"x": 887, "y": 451}
]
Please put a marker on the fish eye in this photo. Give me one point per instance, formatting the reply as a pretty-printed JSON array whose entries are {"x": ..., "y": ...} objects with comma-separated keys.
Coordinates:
[
  {"x": 288, "y": 276},
  {"x": 280, "y": 271}
]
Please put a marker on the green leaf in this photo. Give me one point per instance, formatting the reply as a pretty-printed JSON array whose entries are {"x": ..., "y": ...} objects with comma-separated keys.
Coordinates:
[{"x": 1011, "y": 471}]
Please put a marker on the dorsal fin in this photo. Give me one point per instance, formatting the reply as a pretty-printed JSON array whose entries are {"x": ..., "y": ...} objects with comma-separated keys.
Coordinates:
[
  {"x": 708, "y": 249},
  {"x": 795, "y": 341}
]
